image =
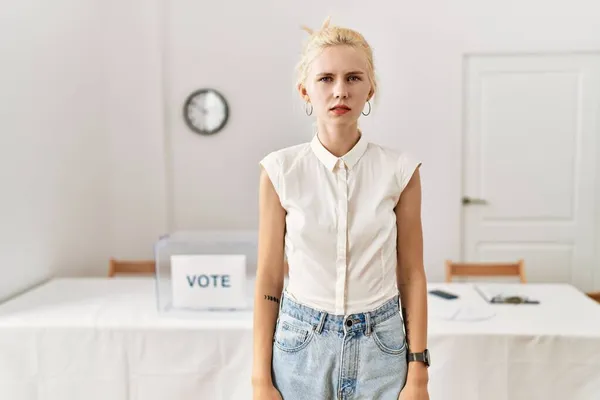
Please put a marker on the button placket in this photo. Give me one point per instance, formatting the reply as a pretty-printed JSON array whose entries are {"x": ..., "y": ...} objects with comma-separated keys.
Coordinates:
[{"x": 342, "y": 231}]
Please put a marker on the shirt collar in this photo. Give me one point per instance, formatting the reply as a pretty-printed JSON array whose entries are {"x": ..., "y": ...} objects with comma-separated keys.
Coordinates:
[{"x": 330, "y": 161}]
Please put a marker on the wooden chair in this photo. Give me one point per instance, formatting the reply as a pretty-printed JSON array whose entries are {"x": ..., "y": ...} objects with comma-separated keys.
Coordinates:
[
  {"x": 131, "y": 267},
  {"x": 485, "y": 269},
  {"x": 594, "y": 296}
]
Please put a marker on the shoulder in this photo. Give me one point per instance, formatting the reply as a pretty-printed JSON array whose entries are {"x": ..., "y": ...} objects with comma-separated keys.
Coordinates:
[
  {"x": 285, "y": 157},
  {"x": 277, "y": 163},
  {"x": 392, "y": 155},
  {"x": 382, "y": 152},
  {"x": 403, "y": 162}
]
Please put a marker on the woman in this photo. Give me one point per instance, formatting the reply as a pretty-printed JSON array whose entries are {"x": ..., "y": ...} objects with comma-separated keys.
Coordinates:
[{"x": 346, "y": 215}]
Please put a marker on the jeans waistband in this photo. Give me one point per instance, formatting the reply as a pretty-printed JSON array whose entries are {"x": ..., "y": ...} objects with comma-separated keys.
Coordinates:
[{"x": 322, "y": 320}]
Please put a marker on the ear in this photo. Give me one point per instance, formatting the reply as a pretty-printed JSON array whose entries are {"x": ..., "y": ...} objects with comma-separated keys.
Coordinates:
[
  {"x": 303, "y": 92},
  {"x": 371, "y": 93}
]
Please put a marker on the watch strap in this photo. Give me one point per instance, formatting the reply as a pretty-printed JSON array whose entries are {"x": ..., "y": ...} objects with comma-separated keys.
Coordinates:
[{"x": 421, "y": 357}]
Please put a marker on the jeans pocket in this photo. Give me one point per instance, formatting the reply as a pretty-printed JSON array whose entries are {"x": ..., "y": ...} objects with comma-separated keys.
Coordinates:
[
  {"x": 292, "y": 335},
  {"x": 389, "y": 335}
]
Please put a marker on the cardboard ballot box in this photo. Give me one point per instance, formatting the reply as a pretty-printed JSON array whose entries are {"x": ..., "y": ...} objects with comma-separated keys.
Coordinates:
[{"x": 205, "y": 270}]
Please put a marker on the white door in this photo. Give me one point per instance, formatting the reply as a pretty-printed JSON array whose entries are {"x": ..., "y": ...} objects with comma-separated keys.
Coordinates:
[{"x": 531, "y": 124}]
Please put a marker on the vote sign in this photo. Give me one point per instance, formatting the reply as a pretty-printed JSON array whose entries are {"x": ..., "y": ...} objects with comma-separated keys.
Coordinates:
[{"x": 208, "y": 281}]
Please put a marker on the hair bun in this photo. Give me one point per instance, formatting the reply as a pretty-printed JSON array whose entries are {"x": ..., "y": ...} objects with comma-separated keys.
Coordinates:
[
  {"x": 323, "y": 27},
  {"x": 307, "y": 29}
]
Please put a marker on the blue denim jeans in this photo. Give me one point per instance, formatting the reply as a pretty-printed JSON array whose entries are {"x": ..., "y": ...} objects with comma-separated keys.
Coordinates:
[{"x": 321, "y": 356}]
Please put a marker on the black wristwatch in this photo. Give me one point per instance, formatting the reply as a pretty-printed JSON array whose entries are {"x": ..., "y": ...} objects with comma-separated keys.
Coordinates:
[{"x": 422, "y": 357}]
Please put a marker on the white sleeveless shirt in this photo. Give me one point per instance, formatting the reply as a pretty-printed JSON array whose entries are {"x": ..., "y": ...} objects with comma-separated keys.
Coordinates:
[{"x": 340, "y": 239}]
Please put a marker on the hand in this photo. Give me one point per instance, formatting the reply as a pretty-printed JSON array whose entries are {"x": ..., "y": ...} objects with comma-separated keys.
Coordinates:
[
  {"x": 266, "y": 392},
  {"x": 414, "y": 391},
  {"x": 416, "y": 383}
]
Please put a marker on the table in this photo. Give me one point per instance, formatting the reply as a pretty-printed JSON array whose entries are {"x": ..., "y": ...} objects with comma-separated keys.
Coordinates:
[
  {"x": 92, "y": 339},
  {"x": 525, "y": 351}
]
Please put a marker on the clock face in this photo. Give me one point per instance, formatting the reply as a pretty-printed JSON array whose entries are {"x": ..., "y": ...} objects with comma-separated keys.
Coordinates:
[{"x": 206, "y": 111}]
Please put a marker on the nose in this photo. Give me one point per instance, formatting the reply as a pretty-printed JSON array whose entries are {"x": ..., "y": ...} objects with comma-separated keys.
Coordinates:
[{"x": 340, "y": 90}]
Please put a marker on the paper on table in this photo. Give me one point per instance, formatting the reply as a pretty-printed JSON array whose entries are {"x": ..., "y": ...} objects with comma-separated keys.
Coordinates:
[
  {"x": 459, "y": 312},
  {"x": 443, "y": 309},
  {"x": 471, "y": 313},
  {"x": 464, "y": 313}
]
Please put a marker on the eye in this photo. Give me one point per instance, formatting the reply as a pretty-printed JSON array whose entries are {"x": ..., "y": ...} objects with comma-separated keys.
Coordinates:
[
  {"x": 325, "y": 79},
  {"x": 354, "y": 78}
]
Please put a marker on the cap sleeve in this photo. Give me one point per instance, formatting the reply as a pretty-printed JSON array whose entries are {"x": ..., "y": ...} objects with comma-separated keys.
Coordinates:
[
  {"x": 406, "y": 167},
  {"x": 272, "y": 166}
]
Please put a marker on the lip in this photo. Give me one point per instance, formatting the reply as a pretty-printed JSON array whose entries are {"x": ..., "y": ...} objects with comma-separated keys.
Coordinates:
[{"x": 340, "y": 109}]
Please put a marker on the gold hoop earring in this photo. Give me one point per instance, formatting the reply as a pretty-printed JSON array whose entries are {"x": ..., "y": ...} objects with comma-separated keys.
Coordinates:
[
  {"x": 363, "y": 113},
  {"x": 306, "y": 108}
]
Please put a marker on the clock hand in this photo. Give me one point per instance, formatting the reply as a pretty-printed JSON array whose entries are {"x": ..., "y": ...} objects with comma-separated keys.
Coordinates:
[{"x": 202, "y": 110}]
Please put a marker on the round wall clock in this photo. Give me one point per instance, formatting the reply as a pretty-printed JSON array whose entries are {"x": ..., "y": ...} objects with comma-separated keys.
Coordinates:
[{"x": 206, "y": 111}]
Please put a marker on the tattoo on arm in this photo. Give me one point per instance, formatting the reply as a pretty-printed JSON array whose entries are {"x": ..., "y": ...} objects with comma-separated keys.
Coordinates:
[{"x": 272, "y": 298}]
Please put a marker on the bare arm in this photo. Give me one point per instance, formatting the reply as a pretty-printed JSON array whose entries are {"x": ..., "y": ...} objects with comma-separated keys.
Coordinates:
[
  {"x": 269, "y": 278},
  {"x": 410, "y": 274}
]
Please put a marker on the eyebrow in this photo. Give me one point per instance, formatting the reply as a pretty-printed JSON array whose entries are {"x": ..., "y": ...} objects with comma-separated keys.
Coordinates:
[{"x": 348, "y": 73}]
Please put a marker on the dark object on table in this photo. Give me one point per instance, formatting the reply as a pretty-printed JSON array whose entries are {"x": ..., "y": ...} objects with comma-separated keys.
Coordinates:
[
  {"x": 512, "y": 300},
  {"x": 504, "y": 299},
  {"x": 443, "y": 294}
]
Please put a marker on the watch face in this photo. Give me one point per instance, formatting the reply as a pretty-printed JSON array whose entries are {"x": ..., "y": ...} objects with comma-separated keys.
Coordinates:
[{"x": 206, "y": 111}]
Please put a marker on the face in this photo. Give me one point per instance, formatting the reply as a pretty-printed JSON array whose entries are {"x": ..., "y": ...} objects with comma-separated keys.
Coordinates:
[{"x": 337, "y": 85}]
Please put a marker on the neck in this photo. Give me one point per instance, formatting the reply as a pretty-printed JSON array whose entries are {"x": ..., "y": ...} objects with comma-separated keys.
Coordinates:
[{"x": 338, "y": 139}]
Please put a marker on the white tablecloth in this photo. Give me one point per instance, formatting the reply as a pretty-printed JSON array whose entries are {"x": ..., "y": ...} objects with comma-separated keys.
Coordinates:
[{"x": 101, "y": 339}]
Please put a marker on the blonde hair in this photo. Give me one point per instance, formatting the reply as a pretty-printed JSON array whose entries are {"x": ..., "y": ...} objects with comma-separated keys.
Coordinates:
[{"x": 329, "y": 36}]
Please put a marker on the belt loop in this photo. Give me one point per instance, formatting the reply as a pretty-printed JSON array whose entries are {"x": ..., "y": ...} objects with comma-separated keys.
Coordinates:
[
  {"x": 319, "y": 327},
  {"x": 281, "y": 300},
  {"x": 368, "y": 323}
]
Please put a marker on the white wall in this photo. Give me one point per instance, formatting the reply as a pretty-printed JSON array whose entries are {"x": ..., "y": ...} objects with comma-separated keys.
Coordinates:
[
  {"x": 248, "y": 53},
  {"x": 88, "y": 80},
  {"x": 52, "y": 141},
  {"x": 135, "y": 121}
]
